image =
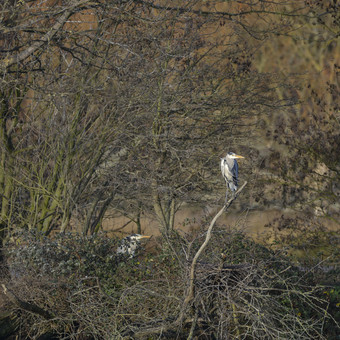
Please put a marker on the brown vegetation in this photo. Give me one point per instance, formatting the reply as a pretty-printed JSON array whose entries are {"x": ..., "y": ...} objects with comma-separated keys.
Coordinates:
[{"x": 126, "y": 106}]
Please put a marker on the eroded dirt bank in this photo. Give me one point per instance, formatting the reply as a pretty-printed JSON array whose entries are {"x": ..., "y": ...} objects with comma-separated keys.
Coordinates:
[{"x": 253, "y": 222}]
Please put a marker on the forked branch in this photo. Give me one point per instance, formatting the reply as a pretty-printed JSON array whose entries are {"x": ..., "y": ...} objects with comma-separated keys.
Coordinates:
[
  {"x": 191, "y": 290},
  {"x": 171, "y": 324}
]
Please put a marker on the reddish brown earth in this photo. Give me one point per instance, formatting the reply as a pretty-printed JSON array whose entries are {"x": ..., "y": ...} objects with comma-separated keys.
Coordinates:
[{"x": 189, "y": 218}]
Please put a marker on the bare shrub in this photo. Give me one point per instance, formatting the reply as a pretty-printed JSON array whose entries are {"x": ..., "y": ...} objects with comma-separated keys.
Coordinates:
[{"x": 242, "y": 290}]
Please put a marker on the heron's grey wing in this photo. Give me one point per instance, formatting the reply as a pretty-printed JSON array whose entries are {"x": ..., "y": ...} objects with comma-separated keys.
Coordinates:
[
  {"x": 234, "y": 172},
  {"x": 124, "y": 246}
]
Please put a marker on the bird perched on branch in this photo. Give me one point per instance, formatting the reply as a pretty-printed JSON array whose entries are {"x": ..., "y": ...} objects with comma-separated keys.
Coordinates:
[
  {"x": 130, "y": 244},
  {"x": 229, "y": 168}
]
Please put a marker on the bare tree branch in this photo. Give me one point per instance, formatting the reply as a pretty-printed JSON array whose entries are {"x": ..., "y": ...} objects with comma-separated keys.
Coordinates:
[
  {"x": 191, "y": 290},
  {"x": 190, "y": 295},
  {"x": 30, "y": 307},
  {"x": 12, "y": 60}
]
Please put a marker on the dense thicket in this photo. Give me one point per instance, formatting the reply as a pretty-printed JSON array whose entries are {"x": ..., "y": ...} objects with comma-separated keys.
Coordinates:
[{"x": 242, "y": 290}]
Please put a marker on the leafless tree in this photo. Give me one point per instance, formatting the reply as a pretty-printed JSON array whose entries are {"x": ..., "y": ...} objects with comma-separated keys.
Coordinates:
[{"x": 126, "y": 104}]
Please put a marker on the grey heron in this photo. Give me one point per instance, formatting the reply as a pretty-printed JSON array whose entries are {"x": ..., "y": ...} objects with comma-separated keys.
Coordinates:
[
  {"x": 229, "y": 168},
  {"x": 130, "y": 244}
]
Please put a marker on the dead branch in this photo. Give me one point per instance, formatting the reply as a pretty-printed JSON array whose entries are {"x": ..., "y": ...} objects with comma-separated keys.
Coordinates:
[
  {"x": 7, "y": 62},
  {"x": 191, "y": 289},
  {"x": 30, "y": 307}
]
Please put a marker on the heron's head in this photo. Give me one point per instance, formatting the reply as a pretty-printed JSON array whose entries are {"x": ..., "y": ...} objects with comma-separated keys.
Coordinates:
[
  {"x": 138, "y": 237},
  {"x": 233, "y": 155}
]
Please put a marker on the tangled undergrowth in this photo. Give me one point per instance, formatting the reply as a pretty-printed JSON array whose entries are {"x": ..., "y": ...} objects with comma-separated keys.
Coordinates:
[{"x": 242, "y": 290}]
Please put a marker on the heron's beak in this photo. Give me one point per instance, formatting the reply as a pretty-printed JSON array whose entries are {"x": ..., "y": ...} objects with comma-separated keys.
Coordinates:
[
  {"x": 145, "y": 237},
  {"x": 238, "y": 156}
]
